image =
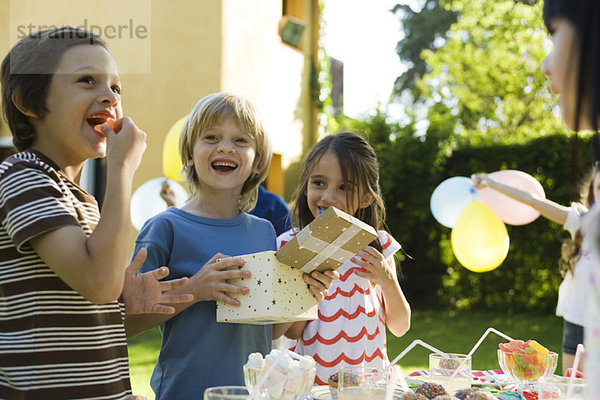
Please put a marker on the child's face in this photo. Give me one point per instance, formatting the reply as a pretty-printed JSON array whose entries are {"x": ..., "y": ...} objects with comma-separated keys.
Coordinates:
[
  {"x": 560, "y": 67},
  {"x": 223, "y": 157},
  {"x": 326, "y": 188},
  {"x": 84, "y": 92}
]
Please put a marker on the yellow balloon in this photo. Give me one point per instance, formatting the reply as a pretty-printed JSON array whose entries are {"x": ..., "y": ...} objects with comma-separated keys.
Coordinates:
[
  {"x": 171, "y": 161},
  {"x": 479, "y": 238}
]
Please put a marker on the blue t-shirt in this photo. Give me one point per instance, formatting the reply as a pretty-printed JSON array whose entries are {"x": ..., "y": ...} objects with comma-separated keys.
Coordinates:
[{"x": 196, "y": 351}]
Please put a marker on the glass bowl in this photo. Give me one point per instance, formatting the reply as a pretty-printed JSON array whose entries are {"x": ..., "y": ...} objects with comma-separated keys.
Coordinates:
[
  {"x": 525, "y": 367},
  {"x": 291, "y": 385}
]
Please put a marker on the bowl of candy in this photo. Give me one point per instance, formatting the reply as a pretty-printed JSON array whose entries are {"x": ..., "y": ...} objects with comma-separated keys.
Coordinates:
[
  {"x": 526, "y": 362},
  {"x": 289, "y": 376}
]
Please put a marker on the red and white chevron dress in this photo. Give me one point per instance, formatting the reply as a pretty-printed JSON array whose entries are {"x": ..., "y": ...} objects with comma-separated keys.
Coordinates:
[{"x": 351, "y": 325}]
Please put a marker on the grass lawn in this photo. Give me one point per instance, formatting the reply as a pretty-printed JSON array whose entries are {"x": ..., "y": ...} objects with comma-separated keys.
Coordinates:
[{"x": 454, "y": 332}]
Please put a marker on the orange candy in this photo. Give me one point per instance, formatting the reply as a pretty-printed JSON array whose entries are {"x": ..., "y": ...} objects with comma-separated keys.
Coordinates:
[{"x": 109, "y": 122}]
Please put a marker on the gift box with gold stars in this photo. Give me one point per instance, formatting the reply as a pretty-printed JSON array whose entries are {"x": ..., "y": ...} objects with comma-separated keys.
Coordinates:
[{"x": 277, "y": 291}]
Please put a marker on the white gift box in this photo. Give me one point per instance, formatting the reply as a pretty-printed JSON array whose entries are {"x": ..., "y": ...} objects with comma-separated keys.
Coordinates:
[{"x": 277, "y": 293}]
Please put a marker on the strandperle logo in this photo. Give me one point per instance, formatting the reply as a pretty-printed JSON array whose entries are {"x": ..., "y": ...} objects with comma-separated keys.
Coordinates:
[
  {"x": 130, "y": 30},
  {"x": 127, "y": 32}
]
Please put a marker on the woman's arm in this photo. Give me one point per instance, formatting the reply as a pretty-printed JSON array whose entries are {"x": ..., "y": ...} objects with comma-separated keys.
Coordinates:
[{"x": 547, "y": 208}]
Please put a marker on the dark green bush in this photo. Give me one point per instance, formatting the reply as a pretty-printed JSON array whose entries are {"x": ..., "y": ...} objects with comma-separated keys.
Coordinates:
[{"x": 528, "y": 279}]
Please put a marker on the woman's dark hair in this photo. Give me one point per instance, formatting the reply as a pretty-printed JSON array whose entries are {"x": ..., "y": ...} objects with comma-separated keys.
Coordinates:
[
  {"x": 571, "y": 248},
  {"x": 360, "y": 169},
  {"x": 585, "y": 17},
  {"x": 26, "y": 74}
]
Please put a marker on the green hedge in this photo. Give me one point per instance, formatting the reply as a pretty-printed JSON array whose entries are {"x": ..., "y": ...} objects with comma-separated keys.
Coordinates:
[{"x": 528, "y": 279}]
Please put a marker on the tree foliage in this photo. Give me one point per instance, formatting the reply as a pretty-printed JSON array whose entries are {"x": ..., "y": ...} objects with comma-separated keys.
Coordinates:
[
  {"x": 487, "y": 108},
  {"x": 422, "y": 29},
  {"x": 412, "y": 166},
  {"x": 488, "y": 73}
]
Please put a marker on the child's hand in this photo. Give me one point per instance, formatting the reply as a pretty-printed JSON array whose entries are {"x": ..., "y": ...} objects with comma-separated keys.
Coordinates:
[
  {"x": 376, "y": 267},
  {"x": 127, "y": 146},
  {"x": 144, "y": 293},
  {"x": 578, "y": 374},
  {"x": 479, "y": 180},
  {"x": 319, "y": 283},
  {"x": 211, "y": 281},
  {"x": 167, "y": 194}
]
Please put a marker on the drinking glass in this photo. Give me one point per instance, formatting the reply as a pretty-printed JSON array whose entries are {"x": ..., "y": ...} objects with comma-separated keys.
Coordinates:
[
  {"x": 452, "y": 371},
  {"x": 230, "y": 393},
  {"x": 555, "y": 387},
  {"x": 361, "y": 383}
]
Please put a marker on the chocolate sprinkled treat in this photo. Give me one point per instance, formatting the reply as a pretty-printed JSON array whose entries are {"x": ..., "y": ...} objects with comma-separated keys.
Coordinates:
[
  {"x": 463, "y": 393},
  {"x": 431, "y": 390},
  {"x": 412, "y": 396}
]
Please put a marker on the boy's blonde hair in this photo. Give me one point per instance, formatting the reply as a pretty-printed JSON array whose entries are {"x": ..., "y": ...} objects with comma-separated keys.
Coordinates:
[{"x": 209, "y": 112}]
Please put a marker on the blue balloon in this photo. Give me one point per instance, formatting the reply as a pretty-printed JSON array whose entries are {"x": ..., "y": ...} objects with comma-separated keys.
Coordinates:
[{"x": 450, "y": 197}]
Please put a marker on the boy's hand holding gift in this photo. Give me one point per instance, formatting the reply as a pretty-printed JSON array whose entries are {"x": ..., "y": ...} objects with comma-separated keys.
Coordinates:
[{"x": 211, "y": 282}]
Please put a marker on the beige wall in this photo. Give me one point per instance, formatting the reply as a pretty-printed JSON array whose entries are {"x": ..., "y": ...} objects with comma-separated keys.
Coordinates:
[
  {"x": 199, "y": 47},
  {"x": 259, "y": 66},
  {"x": 186, "y": 64},
  {"x": 4, "y": 47}
]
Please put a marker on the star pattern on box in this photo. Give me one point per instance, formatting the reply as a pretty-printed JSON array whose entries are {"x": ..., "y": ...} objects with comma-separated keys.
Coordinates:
[{"x": 277, "y": 291}]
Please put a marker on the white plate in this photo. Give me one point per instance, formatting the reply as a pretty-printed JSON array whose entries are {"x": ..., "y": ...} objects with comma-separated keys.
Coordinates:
[
  {"x": 320, "y": 393},
  {"x": 323, "y": 393}
]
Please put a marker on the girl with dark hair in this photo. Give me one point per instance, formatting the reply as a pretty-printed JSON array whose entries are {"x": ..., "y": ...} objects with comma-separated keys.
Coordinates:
[
  {"x": 576, "y": 263},
  {"x": 342, "y": 171},
  {"x": 574, "y": 71}
]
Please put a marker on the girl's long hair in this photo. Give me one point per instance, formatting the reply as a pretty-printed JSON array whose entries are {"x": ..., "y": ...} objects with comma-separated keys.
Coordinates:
[
  {"x": 571, "y": 248},
  {"x": 585, "y": 17}
]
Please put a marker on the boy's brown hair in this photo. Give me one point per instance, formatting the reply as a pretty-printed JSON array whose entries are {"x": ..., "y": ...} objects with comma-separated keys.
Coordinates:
[{"x": 27, "y": 71}]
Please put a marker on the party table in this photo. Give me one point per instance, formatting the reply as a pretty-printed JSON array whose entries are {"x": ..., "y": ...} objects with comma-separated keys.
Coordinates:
[{"x": 493, "y": 380}]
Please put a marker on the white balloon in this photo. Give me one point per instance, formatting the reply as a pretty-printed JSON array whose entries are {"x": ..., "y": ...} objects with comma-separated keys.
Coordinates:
[
  {"x": 450, "y": 197},
  {"x": 146, "y": 201}
]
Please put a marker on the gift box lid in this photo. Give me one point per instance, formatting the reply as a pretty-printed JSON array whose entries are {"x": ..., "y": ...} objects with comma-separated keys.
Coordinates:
[{"x": 327, "y": 242}]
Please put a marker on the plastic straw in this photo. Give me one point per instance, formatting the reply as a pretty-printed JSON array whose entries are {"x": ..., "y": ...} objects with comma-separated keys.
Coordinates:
[
  {"x": 395, "y": 375},
  {"x": 406, "y": 350},
  {"x": 580, "y": 350},
  {"x": 487, "y": 332},
  {"x": 410, "y": 347}
]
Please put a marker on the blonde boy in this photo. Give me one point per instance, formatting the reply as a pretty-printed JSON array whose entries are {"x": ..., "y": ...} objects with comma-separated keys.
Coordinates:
[{"x": 225, "y": 152}]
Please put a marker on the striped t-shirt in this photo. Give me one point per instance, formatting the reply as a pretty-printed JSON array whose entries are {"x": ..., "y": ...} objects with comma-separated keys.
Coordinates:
[{"x": 54, "y": 344}]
